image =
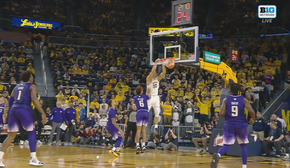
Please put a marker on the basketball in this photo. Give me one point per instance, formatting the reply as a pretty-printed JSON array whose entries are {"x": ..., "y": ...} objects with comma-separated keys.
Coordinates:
[
  {"x": 170, "y": 66},
  {"x": 168, "y": 62}
]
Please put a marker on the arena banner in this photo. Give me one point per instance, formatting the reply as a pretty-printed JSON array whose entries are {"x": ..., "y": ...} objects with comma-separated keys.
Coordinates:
[
  {"x": 189, "y": 34},
  {"x": 284, "y": 112},
  {"x": 35, "y": 24}
]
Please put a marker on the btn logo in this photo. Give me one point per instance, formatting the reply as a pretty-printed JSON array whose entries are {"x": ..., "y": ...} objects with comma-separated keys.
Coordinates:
[
  {"x": 267, "y": 11},
  {"x": 218, "y": 141}
]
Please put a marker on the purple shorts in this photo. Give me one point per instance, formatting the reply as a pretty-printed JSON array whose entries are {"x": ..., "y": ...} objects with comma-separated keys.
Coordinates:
[
  {"x": 20, "y": 117},
  {"x": 231, "y": 132},
  {"x": 142, "y": 118},
  {"x": 113, "y": 131}
]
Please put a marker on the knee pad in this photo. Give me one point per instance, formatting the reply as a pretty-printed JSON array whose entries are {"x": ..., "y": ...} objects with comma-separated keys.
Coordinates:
[{"x": 157, "y": 111}]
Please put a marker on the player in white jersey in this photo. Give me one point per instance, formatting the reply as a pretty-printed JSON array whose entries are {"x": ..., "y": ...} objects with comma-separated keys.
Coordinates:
[{"x": 152, "y": 82}]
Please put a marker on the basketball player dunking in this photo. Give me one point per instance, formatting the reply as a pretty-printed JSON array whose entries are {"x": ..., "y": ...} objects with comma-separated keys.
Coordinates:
[
  {"x": 152, "y": 82},
  {"x": 142, "y": 117},
  {"x": 20, "y": 115},
  {"x": 232, "y": 109}
]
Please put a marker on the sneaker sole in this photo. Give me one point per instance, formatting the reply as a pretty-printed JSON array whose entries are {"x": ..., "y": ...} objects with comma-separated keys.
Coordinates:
[
  {"x": 31, "y": 164},
  {"x": 215, "y": 160},
  {"x": 143, "y": 150}
]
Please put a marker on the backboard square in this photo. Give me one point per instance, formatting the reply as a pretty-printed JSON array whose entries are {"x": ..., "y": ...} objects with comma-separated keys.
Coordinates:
[{"x": 186, "y": 39}]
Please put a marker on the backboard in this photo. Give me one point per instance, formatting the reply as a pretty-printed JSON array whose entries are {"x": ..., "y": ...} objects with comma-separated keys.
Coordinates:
[{"x": 182, "y": 44}]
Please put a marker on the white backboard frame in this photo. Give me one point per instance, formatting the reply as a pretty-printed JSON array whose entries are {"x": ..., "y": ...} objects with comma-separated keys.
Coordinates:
[
  {"x": 196, "y": 32},
  {"x": 174, "y": 46}
]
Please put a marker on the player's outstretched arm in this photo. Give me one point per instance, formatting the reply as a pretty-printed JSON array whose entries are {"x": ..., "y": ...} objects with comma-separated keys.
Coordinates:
[
  {"x": 33, "y": 95},
  {"x": 250, "y": 109},
  {"x": 152, "y": 73},
  {"x": 223, "y": 108},
  {"x": 160, "y": 77}
]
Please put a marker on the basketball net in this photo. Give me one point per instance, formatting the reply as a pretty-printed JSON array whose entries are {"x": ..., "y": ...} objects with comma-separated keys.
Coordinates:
[{"x": 168, "y": 62}]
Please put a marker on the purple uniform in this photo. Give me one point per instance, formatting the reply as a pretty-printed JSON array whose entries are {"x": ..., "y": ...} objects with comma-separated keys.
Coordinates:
[
  {"x": 235, "y": 121},
  {"x": 110, "y": 127},
  {"x": 2, "y": 106},
  {"x": 20, "y": 114},
  {"x": 142, "y": 116}
]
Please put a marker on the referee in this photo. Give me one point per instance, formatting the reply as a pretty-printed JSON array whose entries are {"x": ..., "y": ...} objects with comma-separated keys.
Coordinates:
[{"x": 130, "y": 125}]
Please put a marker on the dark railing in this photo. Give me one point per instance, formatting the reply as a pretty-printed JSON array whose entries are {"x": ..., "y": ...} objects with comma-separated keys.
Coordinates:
[{"x": 97, "y": 43}]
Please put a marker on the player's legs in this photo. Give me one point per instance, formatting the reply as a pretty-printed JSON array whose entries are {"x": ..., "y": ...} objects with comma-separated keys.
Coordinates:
[
  {"x": 27, "y": 122},
  {"x": 144, "y": 126},
  {"x": 117, "y": 137},
  {"x": 13, "y": 128},
  {"x": 229, "y": 139},
  {"x": 157, "y": 110},
  {"x": 242, "y": 138},
  {"x": 138, "y": 139}
]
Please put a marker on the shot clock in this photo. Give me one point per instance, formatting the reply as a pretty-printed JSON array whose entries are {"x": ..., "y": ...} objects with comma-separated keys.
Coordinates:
[
  {"x": 182, "y": 12},
  {"x": 234, "y": 55}
]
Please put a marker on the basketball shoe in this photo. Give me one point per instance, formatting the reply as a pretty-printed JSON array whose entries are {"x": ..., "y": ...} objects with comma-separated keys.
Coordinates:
[
  {"x": 116, "y": 154},
  {"x": 35, "y": 162},
  {"x": 215, "y": 160},
  {"x": 138, "y": 150},
  {"x": 143, "y": 149}
]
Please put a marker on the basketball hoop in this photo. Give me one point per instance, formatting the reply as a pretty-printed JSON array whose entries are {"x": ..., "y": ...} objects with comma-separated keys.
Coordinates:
[{"x": 168, "y": 62}]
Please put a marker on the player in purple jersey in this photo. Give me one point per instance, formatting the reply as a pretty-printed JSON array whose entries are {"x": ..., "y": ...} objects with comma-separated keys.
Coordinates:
[
  {"x": 114, "y": 129},
  {"x": 20, "y": 115},
  {"x": 3, "y": 111},
  {"x": 142, "y": 118},
  {"x": 232, "y": 109}
]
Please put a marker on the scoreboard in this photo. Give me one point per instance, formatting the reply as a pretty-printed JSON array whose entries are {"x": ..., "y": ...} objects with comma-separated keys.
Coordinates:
[
  {"x": 234, "y": 55},
  {"x": 182, "y": 12}
]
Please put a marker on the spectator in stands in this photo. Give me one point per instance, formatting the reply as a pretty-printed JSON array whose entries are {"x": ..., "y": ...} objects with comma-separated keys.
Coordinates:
[
  {"x": 175, "y": 117},
  {"x": 170, "y": 141},
  {"x": 167, "y": 112},
  {"x": 274, "y": 139},
  {"x": 56, "y": 116},
  {"x": 103, "y": 121},
  {"x": 274, "y": 118},
  {"x": 69, "y": 117},
  {"x": 263, "y": 95},
  {"x": 90, "y": 121},
  {"x": 30, "y": 68},
  {"x": 205, "y": 133},
  {"x": 282, "y": 121},
  {"x": 259, "y": 126},
  {"x": 268, "y": 82},
  {"x": 95, "y": 103},
  {"x": 204, "y": 108}
]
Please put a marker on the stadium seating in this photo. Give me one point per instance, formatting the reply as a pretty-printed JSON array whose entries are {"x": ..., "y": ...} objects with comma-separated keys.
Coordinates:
[
  {"x": 46, "y": 10},
  {"x": 15, "y": 58}
]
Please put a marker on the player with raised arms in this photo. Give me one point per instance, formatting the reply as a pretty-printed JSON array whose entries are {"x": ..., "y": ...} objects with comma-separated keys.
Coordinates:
[
  {"x": 114, "y": 129},
  {"x": 142, "y": 117},
  {"x": 152, "y": 82},
  {"x": 20, "y": 115},
  {"x": 233, "y": 110}
]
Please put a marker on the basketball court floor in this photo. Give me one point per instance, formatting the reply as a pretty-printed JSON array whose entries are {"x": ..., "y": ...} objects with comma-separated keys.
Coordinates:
[{"x": 84, "y": 157}]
